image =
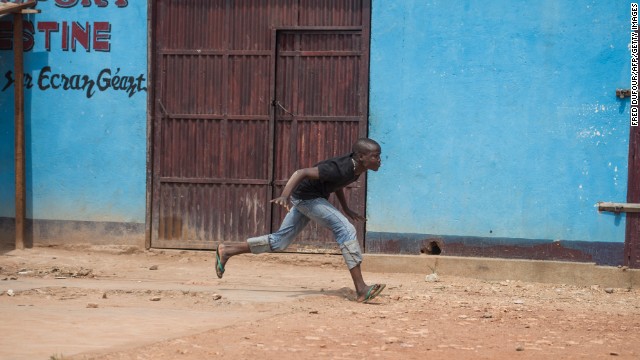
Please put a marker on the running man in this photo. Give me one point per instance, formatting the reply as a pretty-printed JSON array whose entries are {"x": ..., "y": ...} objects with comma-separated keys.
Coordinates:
[{"x": 305, "y": 196}]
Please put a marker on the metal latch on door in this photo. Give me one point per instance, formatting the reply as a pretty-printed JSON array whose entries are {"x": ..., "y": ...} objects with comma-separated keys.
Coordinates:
[
  {"x": 623, "y": 93},
  {"x": 618, "y": 207}
]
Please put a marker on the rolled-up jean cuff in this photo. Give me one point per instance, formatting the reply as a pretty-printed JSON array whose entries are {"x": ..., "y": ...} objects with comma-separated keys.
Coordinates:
[
  {"x": 351, "y": 253},
  {"x": 259, "y": 245}
]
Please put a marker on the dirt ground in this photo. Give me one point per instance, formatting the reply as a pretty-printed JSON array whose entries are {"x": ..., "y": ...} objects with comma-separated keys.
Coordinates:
[{"x": 113, "y": 303}]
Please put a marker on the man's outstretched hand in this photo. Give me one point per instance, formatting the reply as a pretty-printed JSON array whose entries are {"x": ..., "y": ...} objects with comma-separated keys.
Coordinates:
[{"x": 282, "y": 201}]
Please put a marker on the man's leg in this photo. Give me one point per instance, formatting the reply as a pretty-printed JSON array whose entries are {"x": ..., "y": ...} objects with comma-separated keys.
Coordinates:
[
  {"x": 352, "y": 254},
  {"x": 325, "y": 214},
  {"x": 358, "y": 282},
  {"x": 293, "y": 223},
  {"x": 228, "y": 250}
]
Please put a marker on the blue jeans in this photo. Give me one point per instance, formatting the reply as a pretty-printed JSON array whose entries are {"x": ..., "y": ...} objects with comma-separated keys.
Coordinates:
[{"x": 321, "y": 211}]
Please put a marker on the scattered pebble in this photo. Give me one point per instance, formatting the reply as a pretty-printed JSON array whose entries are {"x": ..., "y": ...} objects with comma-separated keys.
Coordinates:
[
  {"x": 104, "y": 295},
  {"x": 613, "y": 353},
  {"x": 10, "y": 292},
  {"x": 313, "y": 312},
  {"x": 520, "y": 348},
  {"x": 608, "y": 290},
  {"x": 92, "y": 305},
  {"x": 153, "y": 267},
  {"x": 155, "y": 298},
  {"x": 432, "y": 278},
  {"x": 217, "y": 296}
]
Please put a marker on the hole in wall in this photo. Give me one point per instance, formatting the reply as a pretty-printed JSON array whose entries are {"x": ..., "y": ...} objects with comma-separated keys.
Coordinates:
[{"x": 432, "y": 248}]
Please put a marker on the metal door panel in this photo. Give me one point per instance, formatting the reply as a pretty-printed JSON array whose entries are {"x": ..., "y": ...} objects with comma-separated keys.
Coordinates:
[{"x": 318, "y": 114}]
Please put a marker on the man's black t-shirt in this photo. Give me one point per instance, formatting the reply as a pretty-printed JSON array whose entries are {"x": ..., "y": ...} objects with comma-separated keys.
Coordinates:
[{"x": 335, "y": 173}]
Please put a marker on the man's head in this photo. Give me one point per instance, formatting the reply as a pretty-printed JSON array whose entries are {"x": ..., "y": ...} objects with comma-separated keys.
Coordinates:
[{"x": 366, "y": 153}]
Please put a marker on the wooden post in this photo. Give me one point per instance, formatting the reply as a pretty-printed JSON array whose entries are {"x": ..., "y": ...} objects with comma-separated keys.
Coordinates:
[
  {"x": 632, "y": 233},
  {"x": 18, "y": 58}
]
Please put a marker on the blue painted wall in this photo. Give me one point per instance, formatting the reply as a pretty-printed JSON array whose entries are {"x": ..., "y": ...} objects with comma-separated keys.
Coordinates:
[
  {"x": 86, "y": 147},
  {"x": 499, "y": 118}
]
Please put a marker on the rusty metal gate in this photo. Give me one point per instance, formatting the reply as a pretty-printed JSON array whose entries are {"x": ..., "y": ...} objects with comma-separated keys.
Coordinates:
[{"x": 244, "y": 93}]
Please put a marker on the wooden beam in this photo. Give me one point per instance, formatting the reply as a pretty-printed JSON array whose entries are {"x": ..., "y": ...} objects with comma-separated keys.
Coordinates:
[
  {"x": 618, "y": 207},
  {"x": 18, "y": 58}
]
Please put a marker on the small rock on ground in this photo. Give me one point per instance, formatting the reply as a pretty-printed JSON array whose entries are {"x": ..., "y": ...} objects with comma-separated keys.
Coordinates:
[{"x": 432, "y": 278}]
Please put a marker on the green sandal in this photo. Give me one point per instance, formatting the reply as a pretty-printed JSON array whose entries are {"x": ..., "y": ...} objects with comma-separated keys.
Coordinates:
[
  {"x": 373, "y": 292},
  {"x": 219, "y": 266}
]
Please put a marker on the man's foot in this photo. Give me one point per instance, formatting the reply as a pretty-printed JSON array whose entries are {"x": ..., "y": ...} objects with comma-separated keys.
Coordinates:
[
  {"x": 220, "y": 261},
  {"x": 370, "y": 293}
]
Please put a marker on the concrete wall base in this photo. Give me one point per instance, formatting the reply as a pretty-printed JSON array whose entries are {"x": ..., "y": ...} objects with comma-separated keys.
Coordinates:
[
  {"x": 67, "y": 232},
  {"x": 557, "y": 272}
]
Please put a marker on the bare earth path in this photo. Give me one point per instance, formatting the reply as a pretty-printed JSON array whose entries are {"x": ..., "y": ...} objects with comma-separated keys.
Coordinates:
[{"x": 115, "y": 303}]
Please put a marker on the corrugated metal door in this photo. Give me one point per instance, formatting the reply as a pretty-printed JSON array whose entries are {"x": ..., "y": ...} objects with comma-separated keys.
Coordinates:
[
  {"x": 319, "y": 112},
  {"x": 220, "y": 142}
]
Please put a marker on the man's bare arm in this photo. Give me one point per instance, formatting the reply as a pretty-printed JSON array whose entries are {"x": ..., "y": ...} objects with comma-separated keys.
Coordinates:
[
  {"x": 345, "y": 207},
  {"x": 294, "y": 180}
]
